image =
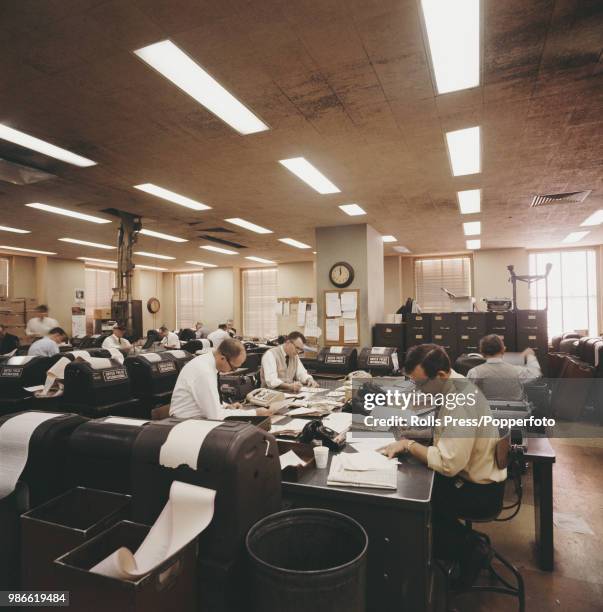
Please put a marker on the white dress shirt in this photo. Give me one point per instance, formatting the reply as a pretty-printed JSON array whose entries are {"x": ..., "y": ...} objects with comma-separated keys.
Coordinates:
[
  {"x": 218, "y": 336},
  {"x": 171, "y": 341},
  {"x": 44, "y": 347},
  {"x": 270, "y": 372},
  {"x": 40, "y": 327},
  {"x": 113, "y": 341},
  {"x": 196, "y": 392}
]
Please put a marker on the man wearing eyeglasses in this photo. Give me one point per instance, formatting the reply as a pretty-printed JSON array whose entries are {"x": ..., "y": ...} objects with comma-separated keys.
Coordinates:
[
  {"x": 196, "y": 394},
  {"x": 282, "y": 368}
]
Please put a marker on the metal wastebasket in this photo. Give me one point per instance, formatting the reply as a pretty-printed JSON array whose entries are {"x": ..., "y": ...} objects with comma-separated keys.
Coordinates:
[{"x": 308, "y": 559}]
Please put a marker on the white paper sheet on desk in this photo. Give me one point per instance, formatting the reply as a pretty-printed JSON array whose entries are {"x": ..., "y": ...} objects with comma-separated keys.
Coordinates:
[
  {"x": 300, "y": 411},
  {"x": 184, "y": 442},
  {"x": 125, "y": 421},
  {"x": 290, "y": 459},
  {"x": 312, "y": 389},
  {"x": 382, "y": 478},
  {"x": 15, "y": 434},
  {"x": 81, "y": 354},
  {"x": 336, "y": 394},
  {"x": 364, "y": 461},
  {"x": 338, "y": 421},
  {"x": 370, "y": 444},
  {"x": 187, "y": 513}
]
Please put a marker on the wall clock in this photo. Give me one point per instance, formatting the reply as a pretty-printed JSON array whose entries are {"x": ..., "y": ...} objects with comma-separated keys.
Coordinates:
[
  {"x": 153, "y": 305},
  {"x": 341, "y": 274}
]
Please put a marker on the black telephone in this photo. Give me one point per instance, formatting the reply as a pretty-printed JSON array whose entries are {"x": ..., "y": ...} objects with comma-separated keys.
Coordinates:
[{"x": 315, "y": 430}]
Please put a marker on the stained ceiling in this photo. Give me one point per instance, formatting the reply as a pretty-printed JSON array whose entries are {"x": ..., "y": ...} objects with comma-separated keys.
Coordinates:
[{"x": 346, "y": 84}]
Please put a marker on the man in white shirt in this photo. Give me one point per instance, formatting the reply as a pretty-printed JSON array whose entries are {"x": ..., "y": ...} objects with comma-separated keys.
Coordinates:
[
  {"x": 498, "y": 379},
  {"x": 219, "y": 335},
  {"x": 49, "y": 345},
  {"x": 42, "y": 324},
  {"x": 116, "y": 339},
  {"x": 168, "y": 338},
  {"x": 200, "y": 330},
  {"x": 196, "y": 394},
  {"x": 282, "y": 368}
]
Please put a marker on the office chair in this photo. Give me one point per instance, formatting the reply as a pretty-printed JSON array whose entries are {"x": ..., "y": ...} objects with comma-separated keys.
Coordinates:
[{"x": 510, "y": 457}]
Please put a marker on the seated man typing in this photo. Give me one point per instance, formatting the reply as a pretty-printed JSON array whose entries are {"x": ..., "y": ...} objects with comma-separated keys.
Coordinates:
[
  {"x": 197, "y": 394},
  {"x": 498, "y": 379},
  {"x": 49, "y": 345},
  {"x": 116, "y": 339},
  {"x": 282, "y": 368}
]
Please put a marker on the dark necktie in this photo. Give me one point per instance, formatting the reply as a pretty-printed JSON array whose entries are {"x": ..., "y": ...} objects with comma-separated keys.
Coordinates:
[
  {"x": 287, "y": 360},
  {"x": 218, "y": 383}
]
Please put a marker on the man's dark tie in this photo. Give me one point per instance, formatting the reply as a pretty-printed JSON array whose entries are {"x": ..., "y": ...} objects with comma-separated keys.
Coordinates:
[
  {"x": 218, "y": 383},
  {"x": 287, "y": 360}
]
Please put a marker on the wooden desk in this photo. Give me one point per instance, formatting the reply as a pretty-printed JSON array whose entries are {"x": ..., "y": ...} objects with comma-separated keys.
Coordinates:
[
  {"x": 542, "y": 456},
  {"x": 398, "y": 524}
]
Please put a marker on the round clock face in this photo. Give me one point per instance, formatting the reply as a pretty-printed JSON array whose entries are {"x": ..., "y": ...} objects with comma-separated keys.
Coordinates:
[
  {"x": 153, "y": 305},
  {"x": 341, "y": 274}
]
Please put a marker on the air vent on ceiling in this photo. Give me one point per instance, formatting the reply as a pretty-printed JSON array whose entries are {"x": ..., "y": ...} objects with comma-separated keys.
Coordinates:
[
  {"x": 18, "y": 174},
  {"x": 235, "y": 245},
  {"x": 216, "y": 230},
  {"x": 571, "y": 197}
]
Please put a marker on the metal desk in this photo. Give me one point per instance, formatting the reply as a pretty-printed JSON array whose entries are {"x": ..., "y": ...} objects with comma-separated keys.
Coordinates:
[{"x": 398, "y": 523}]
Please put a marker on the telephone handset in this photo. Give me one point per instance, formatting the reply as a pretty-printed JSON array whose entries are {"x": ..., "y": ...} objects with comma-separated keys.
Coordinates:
[{"x": 265, "y": 397}]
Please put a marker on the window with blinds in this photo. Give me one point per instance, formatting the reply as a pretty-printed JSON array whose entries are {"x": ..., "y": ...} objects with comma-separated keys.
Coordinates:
[
  {"x": 572, "y": 283},
  {"x": 3, "y": 278},
  {"x": 99, "y": 290},
  {"x": 189, "y": 299},
  {"x": 259, "y": 299},
  {"x": 431, "y": 275}
]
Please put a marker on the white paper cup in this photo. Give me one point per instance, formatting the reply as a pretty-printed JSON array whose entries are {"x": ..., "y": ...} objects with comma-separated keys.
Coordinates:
[{"x": 321, "y": 456}]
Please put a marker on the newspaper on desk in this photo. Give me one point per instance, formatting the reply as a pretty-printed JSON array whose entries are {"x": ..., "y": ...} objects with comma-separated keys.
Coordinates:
[{"x": 363, "y": 469}]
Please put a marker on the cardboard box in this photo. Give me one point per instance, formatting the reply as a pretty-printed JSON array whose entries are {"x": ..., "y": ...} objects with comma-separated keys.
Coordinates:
[
  {"x": 102, "y": 313},
  {"x": 12, "y": 318}
]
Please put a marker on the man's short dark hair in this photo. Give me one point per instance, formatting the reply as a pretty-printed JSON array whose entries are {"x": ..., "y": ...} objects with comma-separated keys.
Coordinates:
[
  {"x": 222, "y": 326},
  {"x": 231, "y": 348},
  {"x": 120, "y": 326},
  {"x": 294, "y": 335},
  {"x": 163, "y": 328},
  {"x": 57, "y": 331},
  {"x": 41, "y": 308},
  {"x": 431, "y": 357},
  {"x": 491, "y": 345}
]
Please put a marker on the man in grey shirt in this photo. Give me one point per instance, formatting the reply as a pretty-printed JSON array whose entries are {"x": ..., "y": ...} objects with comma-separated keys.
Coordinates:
[
  {"x": 498, "y": 379},
  {"x": 49, "y": 345}
]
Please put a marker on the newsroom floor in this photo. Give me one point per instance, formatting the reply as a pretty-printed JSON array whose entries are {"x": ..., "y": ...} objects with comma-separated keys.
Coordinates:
[{"x": 576, "y": 584}]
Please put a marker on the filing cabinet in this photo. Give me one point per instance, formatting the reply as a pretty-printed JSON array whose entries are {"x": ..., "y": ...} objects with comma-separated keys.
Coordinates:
[
  {"x": 502, "y": 324},
  {"x": 418, "y": 329},
  {"x": 443, "y": 322},
  {"x": 471, "y": 323}
]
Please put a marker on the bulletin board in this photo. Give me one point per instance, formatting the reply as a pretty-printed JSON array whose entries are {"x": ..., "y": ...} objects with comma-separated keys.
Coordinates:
[
  {"x": 287, "y": 317},
  {"x": 346, "y": 336}
]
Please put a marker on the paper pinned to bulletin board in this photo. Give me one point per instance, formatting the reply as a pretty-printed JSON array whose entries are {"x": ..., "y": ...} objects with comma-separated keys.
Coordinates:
[
  {"x": 298, "y": 314},
  {"x": 341, "y": 315}
]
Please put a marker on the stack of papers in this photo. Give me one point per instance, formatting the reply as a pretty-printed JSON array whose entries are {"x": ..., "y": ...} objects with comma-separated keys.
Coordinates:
[
  {"x": 338, "y": 421},
  {"x": 363, "y": 469},
  {"x": 292, "y": 428}
]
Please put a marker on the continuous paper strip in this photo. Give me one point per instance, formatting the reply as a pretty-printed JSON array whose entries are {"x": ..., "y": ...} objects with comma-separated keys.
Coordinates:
[
  {"x": 15, "y": 434},
  {"x": 184, "y": 442},
  {"x": 187, "y": 513},
  {"x": 125, "y": 421}
]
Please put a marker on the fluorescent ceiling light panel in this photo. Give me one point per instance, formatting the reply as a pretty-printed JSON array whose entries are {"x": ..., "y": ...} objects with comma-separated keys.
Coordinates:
[
  {"x": 178, "y": 67},
  {"x": 465, "y": 151},
  {"x": 202, "y": 264},
  {"x": 470, "y": 201},
  {"x": 453, "y": 36},
  {"x": 402, "y": 249},
  {"x": 574, "y": 237},
  {"x": 304, "y": 170},
  {"x": 389, "y": 239},
  {"x": 295, "y": 243},
  {"x": 595, "y": 219},
  {"x": 352, "y": 209},
  {"x": 473, "y": 245},
  {"x": 155, "y": 255},
  {"x": 260, "y": 259},
  {"x": 150, "y": 268},
  {"x": 258, "y": 229},
  {"x": 41, "y": 146},
  {"x": 472, "y": 228},
  {"x": 67, "y": 213},
  {"x": 96, "y": 260},
  {"x": 171, "y": 196},
  {"x": 154, "y": 234},
  {"x": 216, "y": 249},
  {"x": 12, "y": 248},
  {"x": 96, "y": 245},
  {"x": 14, "y": 230}
]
